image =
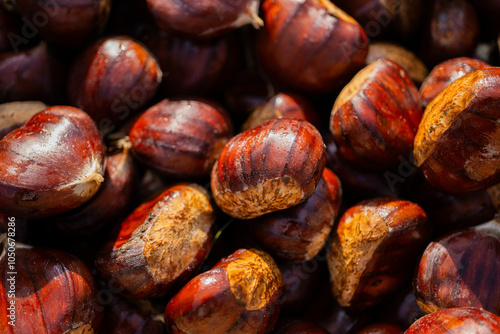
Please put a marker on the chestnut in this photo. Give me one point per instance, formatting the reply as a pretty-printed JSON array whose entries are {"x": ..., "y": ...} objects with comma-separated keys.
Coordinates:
[
  {"x": 282, "y": 105},
  {"x": 112, "y": 79},
  {"x": 181, "y": 138},
  {"x": 299, "y": 233},
  {"x": 268, "y": 168},
  {"x": 413, "y": 66},
  {"x": 13, "y": 115},
  {"x": 459, "y": 320},
  {"x": 238, "y": 295},
  {"x": 294, "y": 326},
  {"x": 457, "y": 144},
  {"x": 443, "y": 74},
  {"x": 160, "y": 244},
  {"x": 452, "y": 31},
  {"x": 68, "y": 24},
  {"x": 328, "y": 46},
  {"x": 461, "y": 269},
  {"x": 373, "y": 250},
  {"x": 52, "y": 164},
  {"x": 31, "y": 74},
  {"x": 381, "y": 328},
  {"x": 205, "y": 18},
  {"x": 45, "y": 291},
  {"x": 375, "y": 118}
]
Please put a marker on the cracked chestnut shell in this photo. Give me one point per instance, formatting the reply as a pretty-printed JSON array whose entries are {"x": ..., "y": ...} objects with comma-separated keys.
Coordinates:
[
  {"x": 52, "y": 164},
  {"x": 457, "y": 145},
  {"x": 268, "y": 168},
  {"x": 160, "y": 244},
  {"x": 181, "y": 138},
  {"x": 375, "y": 118},
  {"x": 54, "y": 292},
  {"x": 238, "y": 295},
  {"x": 328, "y": 46},
  {"x": 461, "y": 269},
  {"x": 299, "y": 233},
  {"x": 373, "y": 250}
]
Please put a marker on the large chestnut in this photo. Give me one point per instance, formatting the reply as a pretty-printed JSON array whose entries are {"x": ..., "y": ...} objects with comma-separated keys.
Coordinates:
[
  {"x": 160, "y": 244},
  {"x": 373, "y": 250},
  {"x": 238, "y": 295},
  {"x": 458, "y": 320},
  {"x": 268, "y": 168},
  {"x": 181, "y": 138},
  {"x": 461, "y": 269},
  {"x": 52, "y": 164},
  {"x": 375, "y": 118},
  {"x": 457, "y": 146},
  {"x": 299, "y": 233},
  {"x": 45, "y": 291},
  {"x": 205, "y": 18},
  {"x": 112, "y": 79},
  {"x": 328, "y": 46}
]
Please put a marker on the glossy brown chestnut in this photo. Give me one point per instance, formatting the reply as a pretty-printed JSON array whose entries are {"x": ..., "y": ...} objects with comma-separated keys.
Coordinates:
[
  {"x": 238, "y": 295},
  {"x": 457, "y": 146},
  {"x": 112, "y": 79},
  {"x": 443, "y": 74},
  {"x": 461, "y": 269},
  {"x": 452, "y": 31},
  {"x": 50, "y": 291},
  {"x": 70, "y": 23},
  {"x": 460, "y": 320},
  {"x": 205, "y": 18},
  {"x": 268, "y": 168},
  {"x": 373, "y": 250},
  {"x": 328, "y": 46},
  {"x": 120, "y": 181},
  {"x": 299, "y": 233},
  {"x": 282, "y": 105},
  {"x": 31, "y": 74},
  {"x": 293, "y": 326},
  {"x": 192, "y": 67},
  {"x": 52, "y": 164},
  {"x": 375, "y": 118},
  {"x": 413, "y": 66},
  {"x": 160, "y": 244},
  {"x": 181, "y": 138},
  {"x": 13, "y": 115}
]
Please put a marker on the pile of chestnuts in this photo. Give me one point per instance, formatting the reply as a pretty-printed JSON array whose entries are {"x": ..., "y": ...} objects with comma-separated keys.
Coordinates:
[{"x": 253, "y": 167}]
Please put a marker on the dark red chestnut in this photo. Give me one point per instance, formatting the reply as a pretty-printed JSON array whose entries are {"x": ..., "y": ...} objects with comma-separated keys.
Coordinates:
[
  {"x": 52, "y": 164},
  {"x": 205, "y": 18},
  {"x": 282, "y": 105},
  {"x": 13, "y": 115},
  {"x": 181, "y": 138},
  {"x": 452, "y": 31},
  {"x": 268, "y": 168},
  {"x": 460, "y": 320},
  {"x": 31, "y": 74},
  {"x": 457, "y": 146},
  {"x": 160, "y": 244},
  {"x": 375, "y": 118},
  {"x": 461, "y": 269},
  {"x": 328, "y": 46},
  {"x": 299, "y": 233},
  {"x": 373, "y": 250},
  {"x": 443, "y": 74},
  {"x": 238, "y": 295},
  {"x": 70, "y": 23},
  {"x": 112, "y": 79},
  {"x": 44, "y": 291}
]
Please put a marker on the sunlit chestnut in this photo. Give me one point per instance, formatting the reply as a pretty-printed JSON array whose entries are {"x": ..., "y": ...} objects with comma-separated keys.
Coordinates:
[
  {"x": 268, "y": 168},
  {"x": 457, "y": 146},
  {"x": 52, "y": 164},
  {"x": 328, "y": 46},
  {"x": 375, "y": 118}
]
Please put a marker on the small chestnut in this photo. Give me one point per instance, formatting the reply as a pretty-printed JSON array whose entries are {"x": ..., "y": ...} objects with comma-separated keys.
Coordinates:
[
  {"x": 238, "y": 295},
  {"x": 268, "y": 168}
]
